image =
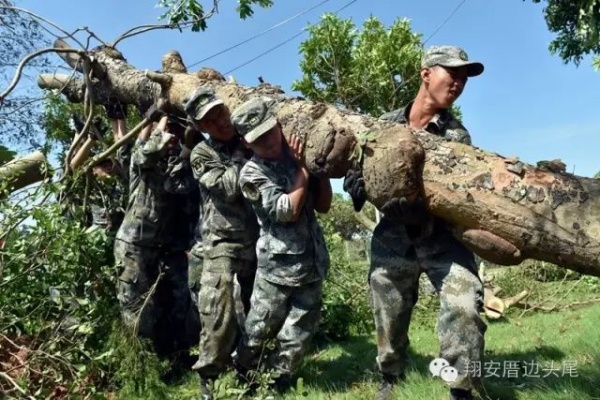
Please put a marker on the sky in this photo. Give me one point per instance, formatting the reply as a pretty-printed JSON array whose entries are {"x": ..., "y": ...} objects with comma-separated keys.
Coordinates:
[{"x": 527, "y": 103}]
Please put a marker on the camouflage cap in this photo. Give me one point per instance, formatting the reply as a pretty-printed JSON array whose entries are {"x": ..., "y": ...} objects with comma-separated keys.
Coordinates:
[
  {"x": 201, "y": 102},
  {"x": 254, "y": 118},
  {"x": 451, "y": 57}
]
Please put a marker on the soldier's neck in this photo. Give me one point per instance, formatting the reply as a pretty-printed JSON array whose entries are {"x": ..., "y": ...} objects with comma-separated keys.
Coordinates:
[{"x": 422, "y": 111}]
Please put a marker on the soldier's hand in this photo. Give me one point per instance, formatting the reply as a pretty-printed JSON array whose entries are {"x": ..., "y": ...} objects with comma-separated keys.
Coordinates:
[
  {"x": 354, "y": 185},
  {"x": 154, "y": 114},
  {"x": 115, "y": 109},
  {"x": 401, "y": 212},
  {"x": 297, "y": 149}
]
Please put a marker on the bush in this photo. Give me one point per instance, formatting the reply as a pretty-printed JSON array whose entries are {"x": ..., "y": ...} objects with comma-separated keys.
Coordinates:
[{"x": 58, "y": 300}]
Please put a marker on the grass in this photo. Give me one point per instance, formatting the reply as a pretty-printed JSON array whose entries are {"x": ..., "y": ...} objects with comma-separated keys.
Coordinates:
[{"x": 549, "y": 341}]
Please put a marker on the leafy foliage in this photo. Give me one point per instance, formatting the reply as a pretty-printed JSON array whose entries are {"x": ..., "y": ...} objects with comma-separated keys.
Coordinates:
[
  {"x": 340, "y": 221},
  {"x": 57, "y": 284},
  {"x": 371, "y": 71},
  {"x": 180, "y": 11},
  {"x": 345, "y": 309},
  {"x": 577, "y": 26}
]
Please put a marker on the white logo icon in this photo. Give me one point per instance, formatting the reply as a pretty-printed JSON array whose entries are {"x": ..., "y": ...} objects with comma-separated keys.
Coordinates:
[
  {"x": 448, "y": 374},
  {"x": 442, "y": 368},
  {"x": 435, "y": 367}
]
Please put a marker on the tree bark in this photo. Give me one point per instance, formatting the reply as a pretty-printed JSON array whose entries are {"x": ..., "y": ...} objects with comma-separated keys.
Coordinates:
[
  {"x": 502, "y": 209},
  {"x": 23, "y": 171}
]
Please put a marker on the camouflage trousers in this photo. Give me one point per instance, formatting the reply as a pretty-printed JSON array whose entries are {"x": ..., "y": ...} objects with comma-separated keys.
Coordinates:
[
  {"x": 154, "y": 297},
  {"x": 194, "y": 274},
  {"x": 289, "y": 314},
  {"x": 394, "y": 284},
  {"x": 219, "y": 308}
]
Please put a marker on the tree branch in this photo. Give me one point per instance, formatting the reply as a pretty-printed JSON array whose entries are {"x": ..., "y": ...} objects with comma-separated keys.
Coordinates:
[
  {"x": 97, "y": 159},
  {"x": 46, "y": 21},
  {"x": 15, "y": 385},
  {"x": 146, "y": 28},
  {"x": 28, "y": 58}
]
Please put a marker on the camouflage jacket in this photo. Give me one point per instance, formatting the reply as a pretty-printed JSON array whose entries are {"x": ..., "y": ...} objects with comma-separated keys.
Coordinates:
[
  {"x": 433, "y": 237},
  {"x": 442, "y": 124},
  {"x": 289, "y": 253},
  {"x": 228, "y": 224},
  {"x": 108, "y": 200},
  {"x": 155, "y": 176},
  {"x": 184, "y": 199}
]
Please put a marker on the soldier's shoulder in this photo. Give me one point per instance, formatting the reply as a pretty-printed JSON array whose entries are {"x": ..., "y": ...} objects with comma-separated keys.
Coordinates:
[
  {"x": 251, "y": 170},
  {"x": 394, "y": 115},
  {"x": 202, "y": 152},
  {"x": 456, "y": 131}
]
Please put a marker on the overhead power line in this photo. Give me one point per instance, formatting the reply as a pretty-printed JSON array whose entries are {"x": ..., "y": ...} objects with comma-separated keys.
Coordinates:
[
  {"x": 277, "y": 25},
  {"x": 303, "y": 30}
]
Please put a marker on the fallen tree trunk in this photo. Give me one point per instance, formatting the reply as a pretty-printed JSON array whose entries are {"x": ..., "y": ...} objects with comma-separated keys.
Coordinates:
[
  {"x": 502, "y": 209},
  {"x": 23, "y": 171}
]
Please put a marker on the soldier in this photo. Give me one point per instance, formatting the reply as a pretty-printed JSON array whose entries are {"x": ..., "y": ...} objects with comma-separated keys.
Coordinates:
[
  {"x": 292, "y": 256},
  {"x": 108, "y": 196},
  {"x": 229, "y": 233},
  {"x": 408, "y": 241},
  {"x": 152, "y": 289}
]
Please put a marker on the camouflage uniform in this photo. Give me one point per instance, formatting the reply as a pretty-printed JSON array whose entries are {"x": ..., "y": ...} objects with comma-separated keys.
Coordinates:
[
  {"x": 292, "y": 263},
  {"x": 152, "y": 287},
  {"x": 229, "y": 233},
  {"x": 109, "y": 199},
  {"x": 400, "y": 253},
  {"x": 195, "y": 257}
]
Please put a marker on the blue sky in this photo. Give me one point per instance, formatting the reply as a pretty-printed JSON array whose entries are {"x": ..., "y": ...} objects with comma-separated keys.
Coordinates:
[{"x": 528, "y": 103}]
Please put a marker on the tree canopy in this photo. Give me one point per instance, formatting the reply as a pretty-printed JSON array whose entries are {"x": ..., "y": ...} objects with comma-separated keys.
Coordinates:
[
  {"x": 577, "y": 27},
  {"x": 373, "y": 70}
]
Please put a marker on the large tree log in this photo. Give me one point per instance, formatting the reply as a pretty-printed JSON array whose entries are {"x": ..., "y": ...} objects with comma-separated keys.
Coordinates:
[
  {"x": 23, "y": 171},
  {"x": 502, "y": 209}
]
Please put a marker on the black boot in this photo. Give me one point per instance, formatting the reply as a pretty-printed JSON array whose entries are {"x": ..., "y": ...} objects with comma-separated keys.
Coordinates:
[
  {"x": 283, "y": 383},
  {"x": 460, "y": 394},
  {"x": 386, "y": 387}
]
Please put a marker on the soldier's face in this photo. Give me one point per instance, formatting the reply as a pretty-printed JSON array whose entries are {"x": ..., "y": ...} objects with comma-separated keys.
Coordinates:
[
  {"x": 270, "y": 145},
  {"x": 444, "y": 85},
  {"x": 217, "y": 123}
]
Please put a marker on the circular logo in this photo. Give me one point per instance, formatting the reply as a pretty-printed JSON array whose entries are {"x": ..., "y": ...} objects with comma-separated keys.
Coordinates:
[
  {"x": 449, "y": 374},
  {"x": 436, "y": 366},
  {"x": 463, "y": 56}
]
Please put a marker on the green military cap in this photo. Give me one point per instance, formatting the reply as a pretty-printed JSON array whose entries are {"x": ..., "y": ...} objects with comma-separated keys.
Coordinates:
[
  {"x": 254, "y": 118},
  {"x": 201, "y": 102},
  {"x": 451, "y": 57}
]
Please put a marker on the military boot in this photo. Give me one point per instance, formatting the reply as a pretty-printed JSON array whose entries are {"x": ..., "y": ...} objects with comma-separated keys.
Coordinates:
[
  {"x": 460, "y": 394},
  {"x": 386, "y": 387},
  {"x": 283, "y": 383},
  {"x": 205, "y": 392}
]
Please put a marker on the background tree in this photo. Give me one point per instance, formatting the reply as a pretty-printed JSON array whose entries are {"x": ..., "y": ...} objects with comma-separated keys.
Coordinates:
[
  {"x": 184, "y": 11},
  {"x": 371, "y": 71},
  {"x": 577, "y": 27},
  {"x": 20, "y": 35}
]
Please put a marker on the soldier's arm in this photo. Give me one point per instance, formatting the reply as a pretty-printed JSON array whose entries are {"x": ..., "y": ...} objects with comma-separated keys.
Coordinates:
[
  {"x": 216, "y": 175},
  {"x": 265, "y": 194},
  {"x": 323, "y": 194},
  {"x": 297, "y": 195},
  {"x": 149, "y": 147},
  {"x": 180, "y": 180}
]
